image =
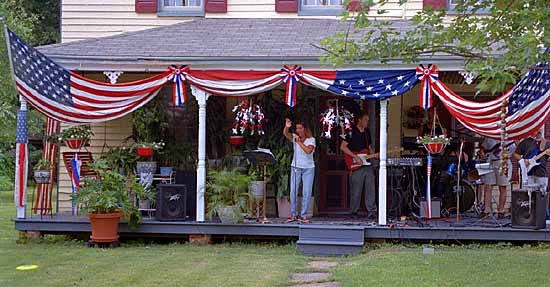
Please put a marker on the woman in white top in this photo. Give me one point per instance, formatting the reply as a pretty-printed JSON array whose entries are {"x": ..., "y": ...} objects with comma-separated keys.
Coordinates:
[{"x": 302, "y": 168}]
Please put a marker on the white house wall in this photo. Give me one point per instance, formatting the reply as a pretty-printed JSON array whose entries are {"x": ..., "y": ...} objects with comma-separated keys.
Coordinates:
[{"x": 100, "y": 18}]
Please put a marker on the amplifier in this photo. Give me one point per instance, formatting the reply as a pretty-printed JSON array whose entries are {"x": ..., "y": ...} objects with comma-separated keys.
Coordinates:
[
  {"x": 528, "y": 209},
  {"x": 171, "y": 202}
]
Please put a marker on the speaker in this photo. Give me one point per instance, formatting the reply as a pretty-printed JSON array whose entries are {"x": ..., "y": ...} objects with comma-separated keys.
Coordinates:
[
  {"x": 171, "y": 202},
  {"x": 528, "y": 213}
]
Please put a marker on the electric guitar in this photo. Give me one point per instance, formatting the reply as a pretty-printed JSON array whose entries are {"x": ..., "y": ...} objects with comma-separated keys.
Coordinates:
[
  {"x": 352, "y": 165},
  {"x": 532, "y": 162}
]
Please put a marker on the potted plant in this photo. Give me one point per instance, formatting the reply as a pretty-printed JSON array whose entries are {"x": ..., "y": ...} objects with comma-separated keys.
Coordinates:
[
  {"x": 146, "y": 149},
  {"x": 257, "y": 184},
  {"x": 279, "y": 174},
  {"x": 108, "y": 198},
  {"x": 434, "y": 144},
  {"x": 76, "y": 137},
  {"x": 227, "y": 195},
  {"x": 42, "y": 171},
  {"x": 121, "y": 159}
]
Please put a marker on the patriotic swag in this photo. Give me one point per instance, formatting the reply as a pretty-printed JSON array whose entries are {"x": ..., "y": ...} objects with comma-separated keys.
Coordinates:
[{"x": 64, "y": 96}]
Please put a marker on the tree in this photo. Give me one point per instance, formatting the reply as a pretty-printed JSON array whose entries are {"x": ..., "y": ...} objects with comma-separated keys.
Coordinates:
[
  {"x": 498, "y": 39},
  {"x": 37, "y": 22}
]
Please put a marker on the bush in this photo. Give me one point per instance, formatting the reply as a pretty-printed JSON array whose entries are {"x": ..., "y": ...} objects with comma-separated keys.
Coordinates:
[{"x": 6, "y": 183}]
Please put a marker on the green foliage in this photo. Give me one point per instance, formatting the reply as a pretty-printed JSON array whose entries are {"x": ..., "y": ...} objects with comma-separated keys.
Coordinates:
[
  {"x": 227, "y": 188},
  {"x": 121, "y": 158},
  {"x": 111, "y": 192},
  {"x": 181, "y": 156},
  {"x": 42, "y": 164},
  {"x": 149, "y": 122},
  {"x": 6, "y": 183},
  {"x": 499, "y": 39},
  {"x": 280, "y": 172}
]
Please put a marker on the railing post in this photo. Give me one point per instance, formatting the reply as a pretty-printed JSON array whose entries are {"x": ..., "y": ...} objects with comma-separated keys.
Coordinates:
[
  {"x": 383, "y": 156},
  {"x": 21, "y": 160},
  {"x": 201, "y": 97}
]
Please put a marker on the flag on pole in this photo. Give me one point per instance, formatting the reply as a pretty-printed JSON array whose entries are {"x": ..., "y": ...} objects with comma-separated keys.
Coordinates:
[
  {"x": 76, "y": 164},
  {"x": 21, "y": 159}
]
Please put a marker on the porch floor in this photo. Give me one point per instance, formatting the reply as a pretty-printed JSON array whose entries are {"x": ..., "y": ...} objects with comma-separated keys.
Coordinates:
[{"x": 467, "y": 228}]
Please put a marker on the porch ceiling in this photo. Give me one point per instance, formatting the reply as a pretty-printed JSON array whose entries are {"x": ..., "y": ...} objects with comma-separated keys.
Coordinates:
[{"x": 210, "y": 42}]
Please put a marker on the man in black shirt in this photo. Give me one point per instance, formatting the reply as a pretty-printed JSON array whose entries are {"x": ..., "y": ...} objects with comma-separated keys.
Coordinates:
[
  {"x": 363, "y": 178},
  {"x": 529, "y": 148}
]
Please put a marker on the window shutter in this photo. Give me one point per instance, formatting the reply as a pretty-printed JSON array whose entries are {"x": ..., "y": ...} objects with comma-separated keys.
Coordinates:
[
  {"x": 354, "y": 5},
  {"x": 282, "y": 6},
  {"x": 435, "y": 4},
  {"x": 146, "y": 6},
  {"x": 216, "y": 6}
]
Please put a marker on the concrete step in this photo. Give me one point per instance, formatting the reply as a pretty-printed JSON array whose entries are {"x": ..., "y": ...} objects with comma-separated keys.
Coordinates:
[{"x": 323, "y": 240}]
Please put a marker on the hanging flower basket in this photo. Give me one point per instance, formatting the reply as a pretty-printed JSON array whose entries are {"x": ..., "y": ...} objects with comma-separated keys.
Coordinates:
[
  {"x": 332, "y": 118},
  {"x": 145, "y": 151},
  {"x": 76, "y": 143},
  {"x": 249, "y": 121},
  {"x": 236, "y": 140},
  {"x": 434, "y": 144}
]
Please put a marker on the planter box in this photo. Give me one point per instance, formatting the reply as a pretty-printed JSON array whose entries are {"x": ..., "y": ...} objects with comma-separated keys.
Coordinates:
[
  {"x": 76, "y": 143},
  {"x": 145, "y": 151}
]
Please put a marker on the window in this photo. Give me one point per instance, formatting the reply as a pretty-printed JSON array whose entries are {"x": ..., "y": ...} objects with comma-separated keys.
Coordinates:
[
  {"x": 320, "y": 8},
  {"x": 181, "y": 8},
  {"x": 451, "y": 7}
]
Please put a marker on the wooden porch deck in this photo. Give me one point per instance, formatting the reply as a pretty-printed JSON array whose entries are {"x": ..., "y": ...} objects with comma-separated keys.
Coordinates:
[{"x": 473, "y": 229}]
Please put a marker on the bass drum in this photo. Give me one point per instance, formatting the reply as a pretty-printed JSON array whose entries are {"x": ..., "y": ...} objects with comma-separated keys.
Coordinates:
[{"x": 466, "y": 196}]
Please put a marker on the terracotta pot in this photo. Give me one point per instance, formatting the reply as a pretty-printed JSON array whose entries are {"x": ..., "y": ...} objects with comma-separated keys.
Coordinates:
[
  {"x": 76, "y": 143},
  {"x": 236, "y": 140},
  {"x": 434, "y": 147},
  {"x": 283, "y": 207},
  {"x": 104, "y": 226},
  {"x": 145, "y": 151}
]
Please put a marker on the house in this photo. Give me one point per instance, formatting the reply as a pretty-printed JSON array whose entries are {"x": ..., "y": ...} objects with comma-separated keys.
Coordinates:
[{"x": 125, "y": 40}]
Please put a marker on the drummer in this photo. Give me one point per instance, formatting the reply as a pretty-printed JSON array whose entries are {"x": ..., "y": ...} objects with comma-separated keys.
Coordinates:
[{"x": 490, "y": 150}]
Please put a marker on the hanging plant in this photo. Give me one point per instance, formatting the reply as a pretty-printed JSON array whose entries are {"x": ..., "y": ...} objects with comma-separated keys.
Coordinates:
[
  {"x": 249, "y": 120},
  {"x": 332, "y": 118},
  {"x": 77, "y": 136},
  {"x": 434, "y": 144}
]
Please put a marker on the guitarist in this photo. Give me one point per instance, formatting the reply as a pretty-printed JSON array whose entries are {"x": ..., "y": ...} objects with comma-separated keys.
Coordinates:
[
  {"x": 490, "y": 150},
  {"x": 529, "y": 148},
  {"x": 361, "y": 179}
]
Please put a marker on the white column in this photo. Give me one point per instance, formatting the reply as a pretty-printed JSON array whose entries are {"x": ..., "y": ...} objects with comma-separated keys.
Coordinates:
[
  {"x": 201, "y": 97},
  {"x": 22, "y": 113},
  {"x": 383, "y": 155}
]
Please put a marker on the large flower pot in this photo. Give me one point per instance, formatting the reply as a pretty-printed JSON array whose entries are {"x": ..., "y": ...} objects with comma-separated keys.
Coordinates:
[
  {"x": 145, "y": 151},
  {"x": 230, "y": 214},
  {"x": 283, "y": 207},
  {"x": 104, "y": 226},
  {"x": 76, "y": 143},
  {"x": 236, "y": 140},
  {"x": 42, "y": 176}
]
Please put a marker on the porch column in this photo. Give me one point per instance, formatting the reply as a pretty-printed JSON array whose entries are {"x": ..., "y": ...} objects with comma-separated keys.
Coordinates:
[
  {"x": 382, "y": 173},
  {"x": 201, "y": 97},
  {"x": 21, "y": 162}
]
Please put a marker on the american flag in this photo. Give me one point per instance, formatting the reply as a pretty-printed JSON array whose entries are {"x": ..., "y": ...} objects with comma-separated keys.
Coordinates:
[
  {"x": 21, "y": 162},
  {"x": 68, "y": 97},
  {"x": 527, "y": 111},
  {"x": 49, "y": 153}
]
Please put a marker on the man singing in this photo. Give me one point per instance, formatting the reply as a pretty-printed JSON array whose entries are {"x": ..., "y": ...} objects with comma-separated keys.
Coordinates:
[{"x": 363, "y": 178}]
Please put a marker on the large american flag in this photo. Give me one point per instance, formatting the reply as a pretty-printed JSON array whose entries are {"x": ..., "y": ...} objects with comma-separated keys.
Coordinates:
[
  {"x": 68, "y": 97},
  {"x": 527, "y": 111}
]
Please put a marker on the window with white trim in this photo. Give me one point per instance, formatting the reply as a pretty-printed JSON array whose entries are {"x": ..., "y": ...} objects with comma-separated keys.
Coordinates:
[
  {"x": 321, "y": 7},
  {"x": 181, "y": 8}
]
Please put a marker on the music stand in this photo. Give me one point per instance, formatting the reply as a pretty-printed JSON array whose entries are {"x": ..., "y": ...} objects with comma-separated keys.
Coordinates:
[{"x": 261, "y": 157}]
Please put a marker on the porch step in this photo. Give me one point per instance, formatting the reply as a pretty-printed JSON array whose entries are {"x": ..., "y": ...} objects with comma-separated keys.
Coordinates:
[{"x": 323, "y": 240}]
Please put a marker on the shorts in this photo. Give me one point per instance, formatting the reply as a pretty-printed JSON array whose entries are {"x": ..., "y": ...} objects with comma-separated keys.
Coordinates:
[{"x": 494, "y": 178}]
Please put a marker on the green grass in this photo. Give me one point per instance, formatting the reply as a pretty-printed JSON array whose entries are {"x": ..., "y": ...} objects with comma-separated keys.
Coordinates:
[{"x": 65, "y": 262}]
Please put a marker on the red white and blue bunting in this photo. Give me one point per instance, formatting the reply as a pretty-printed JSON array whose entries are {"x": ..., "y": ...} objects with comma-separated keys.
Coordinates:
[{"x": 426, "y": 76}]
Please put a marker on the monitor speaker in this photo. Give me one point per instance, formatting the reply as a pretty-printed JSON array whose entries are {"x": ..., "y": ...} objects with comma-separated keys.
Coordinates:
[
  {"x": 528, "y": 209},
  {"x": 171, "y": 202}
]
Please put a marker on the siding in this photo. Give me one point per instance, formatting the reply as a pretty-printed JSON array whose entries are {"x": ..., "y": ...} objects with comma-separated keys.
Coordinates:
[{"x": 99, "y": 18}]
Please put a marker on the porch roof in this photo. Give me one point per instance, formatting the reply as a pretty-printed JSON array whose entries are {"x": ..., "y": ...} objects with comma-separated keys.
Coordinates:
[{"x": 208, "y": 41}]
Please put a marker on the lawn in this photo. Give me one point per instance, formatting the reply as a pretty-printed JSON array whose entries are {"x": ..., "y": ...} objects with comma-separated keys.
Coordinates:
[{"x": 65, "y": 262}]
